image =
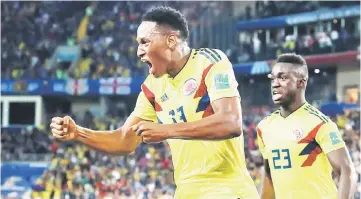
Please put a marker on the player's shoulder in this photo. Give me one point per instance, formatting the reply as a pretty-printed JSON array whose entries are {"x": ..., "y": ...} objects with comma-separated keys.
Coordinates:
[
  {"x": 316, "y": 118},
  {"x": 268, "y": 119},
  {"x": 210, "y": 55},
  {"x": 316, "y": 115}
]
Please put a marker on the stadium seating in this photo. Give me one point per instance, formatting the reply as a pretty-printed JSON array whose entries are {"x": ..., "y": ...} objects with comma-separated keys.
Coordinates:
[{"x": 105, "y": 34}]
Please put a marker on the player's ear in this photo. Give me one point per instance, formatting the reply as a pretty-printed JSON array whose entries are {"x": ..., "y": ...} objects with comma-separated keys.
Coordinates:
[
  {"x": 172, "y": 41},
  {"x": 302, "y": 83}
]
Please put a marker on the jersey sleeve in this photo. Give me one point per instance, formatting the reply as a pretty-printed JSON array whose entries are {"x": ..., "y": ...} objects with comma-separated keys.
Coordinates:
[
  {"x": 329, "y": 138},
  {"x": 143, "y": 107},
  {"x": 221, "y": 81},
  {"x": 260, "y": 142}
]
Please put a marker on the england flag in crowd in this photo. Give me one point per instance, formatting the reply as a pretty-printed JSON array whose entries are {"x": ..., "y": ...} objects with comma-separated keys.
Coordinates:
[
  {"x": 115, "y": 86},
  {"x": 77, "y": 86}
]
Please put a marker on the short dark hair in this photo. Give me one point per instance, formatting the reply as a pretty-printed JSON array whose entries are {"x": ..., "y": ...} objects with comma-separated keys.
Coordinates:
[
  {"x": 291, "y": 58},
  {"x": 298, "y": 61},
  {"x": 163, "y": 15}
]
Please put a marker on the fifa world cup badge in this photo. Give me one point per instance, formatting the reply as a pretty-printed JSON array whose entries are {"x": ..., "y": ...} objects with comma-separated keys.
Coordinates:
[
  {"x": 298, "y": 134},
  {"x": 189, "y": 87}
]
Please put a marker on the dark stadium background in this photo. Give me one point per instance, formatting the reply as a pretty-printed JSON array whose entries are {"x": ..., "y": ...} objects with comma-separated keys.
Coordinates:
[{"x": 79, "y": 59}]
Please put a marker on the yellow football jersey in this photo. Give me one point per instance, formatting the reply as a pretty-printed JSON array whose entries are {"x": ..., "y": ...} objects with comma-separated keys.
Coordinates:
[
  {"x": 202, "y": 169},
  {"x": 296, "y": 148}
]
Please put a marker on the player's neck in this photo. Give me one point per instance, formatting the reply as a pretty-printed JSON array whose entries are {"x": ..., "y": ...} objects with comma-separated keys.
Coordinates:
[
  {"x": 289, "y": 109},
  {"x": 180, "y": 59}
]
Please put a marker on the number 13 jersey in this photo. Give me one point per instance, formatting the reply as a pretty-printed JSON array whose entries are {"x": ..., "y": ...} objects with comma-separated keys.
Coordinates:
[{"x": 202, "y": 169}]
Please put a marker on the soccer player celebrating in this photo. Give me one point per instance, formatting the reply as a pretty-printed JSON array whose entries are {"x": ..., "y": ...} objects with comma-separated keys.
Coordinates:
[
  {"x": 190, "y": 99},
  {"x": 300, "y": 145}
]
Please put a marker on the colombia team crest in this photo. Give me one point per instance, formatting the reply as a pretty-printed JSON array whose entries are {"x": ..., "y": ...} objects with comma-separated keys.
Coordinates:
[
  {"x": 189, "y": 86},
  {"x": 298, "y": 134}
]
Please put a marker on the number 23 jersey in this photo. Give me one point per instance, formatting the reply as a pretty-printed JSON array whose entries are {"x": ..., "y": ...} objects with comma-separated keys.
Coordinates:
[
  {"x": 296, "y": 148},
  {"x": 201, "y": 167}
]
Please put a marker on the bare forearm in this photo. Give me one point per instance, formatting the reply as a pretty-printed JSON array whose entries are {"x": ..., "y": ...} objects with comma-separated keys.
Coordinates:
[
  {"x": 347, "y": 183},
  {"x": 116, "y": 141},
  {"x": 217, "y": 126},
  {"x": 267, "y": 190}
]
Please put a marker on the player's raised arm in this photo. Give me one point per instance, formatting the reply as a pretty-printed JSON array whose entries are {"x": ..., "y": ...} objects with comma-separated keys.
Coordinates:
[
  {"x": 332, "y": 144},
  {"x": 226, "y": 122},
  {"x": 120, "y": 141}
]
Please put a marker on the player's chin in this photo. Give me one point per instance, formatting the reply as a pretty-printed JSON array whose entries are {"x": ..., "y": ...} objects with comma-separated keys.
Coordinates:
[
  {"x": 157, "y": 74},
  {"x": 276, "y": 102}
]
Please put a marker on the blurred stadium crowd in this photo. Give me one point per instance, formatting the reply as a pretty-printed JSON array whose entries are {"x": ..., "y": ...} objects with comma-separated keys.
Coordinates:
[
  {"x": 77, "y": 171},
  {"x": 106, "y": 32}
]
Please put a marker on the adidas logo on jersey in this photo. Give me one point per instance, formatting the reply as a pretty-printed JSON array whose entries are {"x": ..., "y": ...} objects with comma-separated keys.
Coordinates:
[{"x": 164, "y": 97}]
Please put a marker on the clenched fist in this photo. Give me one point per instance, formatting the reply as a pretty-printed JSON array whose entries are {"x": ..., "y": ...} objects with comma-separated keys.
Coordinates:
[
  {"x": 63, "y": 128},
  {"x": 151, "y": 132}
]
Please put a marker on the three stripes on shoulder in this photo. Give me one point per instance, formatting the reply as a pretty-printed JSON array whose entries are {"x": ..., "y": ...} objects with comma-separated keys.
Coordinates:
[{"x": 210, "y": 54}]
